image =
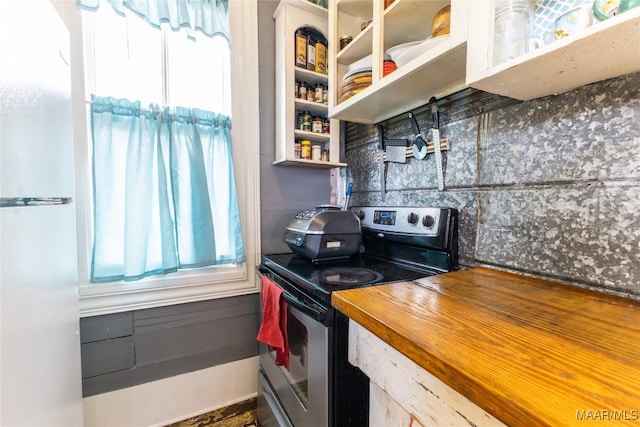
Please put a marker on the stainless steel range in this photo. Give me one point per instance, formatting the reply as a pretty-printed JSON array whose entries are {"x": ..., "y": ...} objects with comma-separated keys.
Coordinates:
[{"x": 320, "y": 388}]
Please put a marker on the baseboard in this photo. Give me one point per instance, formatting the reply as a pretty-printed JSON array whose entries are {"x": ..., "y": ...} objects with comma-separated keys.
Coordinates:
[{"x": 173, "y": 399}]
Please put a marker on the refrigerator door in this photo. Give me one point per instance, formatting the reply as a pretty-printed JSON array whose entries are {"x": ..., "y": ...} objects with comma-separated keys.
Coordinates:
[
  {"x": 41, "y": 381},
  {"x": 36, "y": 145},
  {"x": 40, "y": 374}
]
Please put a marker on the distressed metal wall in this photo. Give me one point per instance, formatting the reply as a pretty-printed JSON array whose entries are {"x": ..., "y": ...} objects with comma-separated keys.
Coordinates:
[{"x": 549, "y": 187}]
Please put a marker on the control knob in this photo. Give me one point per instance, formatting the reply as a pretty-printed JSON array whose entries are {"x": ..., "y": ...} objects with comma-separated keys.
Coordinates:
[
  {"x": 428, "y": 221},
  {"x": 412, "y": 218}
]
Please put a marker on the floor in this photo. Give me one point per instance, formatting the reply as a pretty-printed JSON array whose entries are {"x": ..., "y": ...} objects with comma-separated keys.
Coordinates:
[{"x": 242, "y": 414}]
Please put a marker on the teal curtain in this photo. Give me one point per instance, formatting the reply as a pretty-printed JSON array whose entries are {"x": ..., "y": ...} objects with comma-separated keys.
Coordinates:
[
  {"x": 208, "y": 16},
  {"x": 164, "y": 190}
]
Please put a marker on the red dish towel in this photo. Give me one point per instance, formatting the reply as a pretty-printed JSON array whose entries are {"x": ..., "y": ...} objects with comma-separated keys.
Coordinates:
[{"x": 273, "y": 330}]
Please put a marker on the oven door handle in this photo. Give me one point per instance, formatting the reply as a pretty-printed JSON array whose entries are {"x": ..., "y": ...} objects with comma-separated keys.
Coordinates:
[{"x": 312, "y": 310}]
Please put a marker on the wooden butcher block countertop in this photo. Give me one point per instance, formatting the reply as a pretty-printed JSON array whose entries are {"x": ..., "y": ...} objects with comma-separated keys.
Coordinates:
[{"x": 528, "y": 351}]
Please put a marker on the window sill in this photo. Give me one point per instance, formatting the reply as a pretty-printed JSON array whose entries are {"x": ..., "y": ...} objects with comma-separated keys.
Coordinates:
[{"x": 174, "y": 288}]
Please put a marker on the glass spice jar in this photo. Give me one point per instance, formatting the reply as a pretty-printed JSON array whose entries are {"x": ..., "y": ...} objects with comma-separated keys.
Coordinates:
[
  {"x": 319, "y": 91},
  {"x": 302, "y": 90},
  {"x": 296, "y": 149},
  {"x": 306, "y": 121},
  {"x": 316, "y": 125},
  {"x": 299, "y": 120}
]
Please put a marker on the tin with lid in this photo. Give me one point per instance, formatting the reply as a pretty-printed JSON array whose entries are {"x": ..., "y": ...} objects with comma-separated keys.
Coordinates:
[{"x": 305, "y": 149}]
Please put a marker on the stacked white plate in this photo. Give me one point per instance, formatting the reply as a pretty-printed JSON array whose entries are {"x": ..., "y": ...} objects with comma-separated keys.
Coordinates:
[{"x": 405, "y": 52}]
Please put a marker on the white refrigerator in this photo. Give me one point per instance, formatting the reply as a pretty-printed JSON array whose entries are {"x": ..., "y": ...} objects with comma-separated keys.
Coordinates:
[{"x": 40, "y": 371}]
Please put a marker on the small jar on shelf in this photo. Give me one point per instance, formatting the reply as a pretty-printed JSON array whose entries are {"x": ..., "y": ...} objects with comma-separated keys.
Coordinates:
[
  {"x": 317, "y": 124},
  {"x": 302, "y": 90},
  {"x": 316, "y": 152},
  {"x": 296, "y": 148},
  {"x": 306, "y": 121},
  {"x": 318, "y": 93},
  {"x": 305, "y": 149}
]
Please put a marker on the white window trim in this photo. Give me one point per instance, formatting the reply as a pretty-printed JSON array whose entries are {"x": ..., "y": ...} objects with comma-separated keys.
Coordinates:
[{"x": 185, "y": 285}]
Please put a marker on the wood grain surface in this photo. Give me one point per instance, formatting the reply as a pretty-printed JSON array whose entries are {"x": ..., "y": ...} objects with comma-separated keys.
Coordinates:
[{"x": 528, "y": 351}]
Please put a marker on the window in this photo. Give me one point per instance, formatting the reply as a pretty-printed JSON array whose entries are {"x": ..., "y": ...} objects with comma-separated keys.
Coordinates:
[
  {"x": 158, "y": 67},
  {"x": 130, "y": 58}
]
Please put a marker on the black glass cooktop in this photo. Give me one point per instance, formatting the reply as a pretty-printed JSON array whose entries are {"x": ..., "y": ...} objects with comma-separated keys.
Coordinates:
[{"x": 320, "y": 279}]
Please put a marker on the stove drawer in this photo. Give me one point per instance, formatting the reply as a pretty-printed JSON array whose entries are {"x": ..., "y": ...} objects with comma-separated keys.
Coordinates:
[{"x": 270, "y": 412}]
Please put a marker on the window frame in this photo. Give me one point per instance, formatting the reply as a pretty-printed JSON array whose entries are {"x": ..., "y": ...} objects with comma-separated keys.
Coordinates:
[{"x": 192, "y": 284}]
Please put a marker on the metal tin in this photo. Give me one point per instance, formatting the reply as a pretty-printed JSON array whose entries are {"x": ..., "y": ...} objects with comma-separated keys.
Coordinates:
[
  {"x": 301, "y": 48},
  {"x": 305, "y": 149}
]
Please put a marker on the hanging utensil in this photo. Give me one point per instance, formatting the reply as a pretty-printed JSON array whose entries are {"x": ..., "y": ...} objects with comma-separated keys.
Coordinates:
[
  {"x": 348, "y": 197},
  {"x": 435, "y": 135},
  {"x": 395, "y": 150},
  {"x": 382, "y": 168},
  {"x": 419, "y": 143}
]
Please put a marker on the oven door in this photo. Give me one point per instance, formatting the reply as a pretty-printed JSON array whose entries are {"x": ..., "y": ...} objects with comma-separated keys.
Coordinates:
[{"x": 302, "y": 391}]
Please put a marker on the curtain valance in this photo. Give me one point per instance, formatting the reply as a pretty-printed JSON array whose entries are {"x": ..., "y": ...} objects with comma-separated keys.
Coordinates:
[{"x": 208, "y": 16}]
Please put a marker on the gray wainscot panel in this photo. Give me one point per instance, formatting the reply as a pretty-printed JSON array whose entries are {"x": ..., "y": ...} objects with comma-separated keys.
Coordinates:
[{"x": 166, "y": 341}]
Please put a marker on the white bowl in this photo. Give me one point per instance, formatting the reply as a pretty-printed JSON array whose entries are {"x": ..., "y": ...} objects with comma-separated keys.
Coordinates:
[
  {"x": 417, "y": 50},
  {"x": 397, "y": 50}
]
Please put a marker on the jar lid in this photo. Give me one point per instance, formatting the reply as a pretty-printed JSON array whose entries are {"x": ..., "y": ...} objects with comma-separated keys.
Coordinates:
[{"x": 605, "y": 9}]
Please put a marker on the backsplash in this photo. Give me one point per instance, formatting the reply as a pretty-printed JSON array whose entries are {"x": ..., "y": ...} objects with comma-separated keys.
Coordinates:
[{"x": 548, "y": 187}]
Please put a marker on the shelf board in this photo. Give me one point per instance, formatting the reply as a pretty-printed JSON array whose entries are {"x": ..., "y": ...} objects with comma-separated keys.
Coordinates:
[
  {"x": 312, "y": 136},
  {"x": 438, "y": 72},
  {"x": 309, "y": 163},
  {"x": 604, "y": 50},
  {"x": 310, "y": 76},
  {"x": 305, "y": 5},
  {"x": 313, "y": 107}
]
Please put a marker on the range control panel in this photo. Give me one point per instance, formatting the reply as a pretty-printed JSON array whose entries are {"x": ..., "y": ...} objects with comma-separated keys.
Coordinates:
[{"x": 407, "y": 220}]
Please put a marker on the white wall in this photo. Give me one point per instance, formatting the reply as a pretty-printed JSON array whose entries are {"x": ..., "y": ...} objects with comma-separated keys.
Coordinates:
[{"x": 163, "y": 402}]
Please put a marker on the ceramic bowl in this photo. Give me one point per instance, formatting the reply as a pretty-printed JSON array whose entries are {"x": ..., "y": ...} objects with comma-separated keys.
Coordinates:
[
  {"x": 397, "y": 50},
  {"x": 417, "y": 50},
  {"x": 573, "y": 20},
  {"x": 441, "y": 22}
]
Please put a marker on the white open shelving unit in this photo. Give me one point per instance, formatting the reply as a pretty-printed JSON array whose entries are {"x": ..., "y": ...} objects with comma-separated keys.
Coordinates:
[{"x": 291, "y": 15}]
